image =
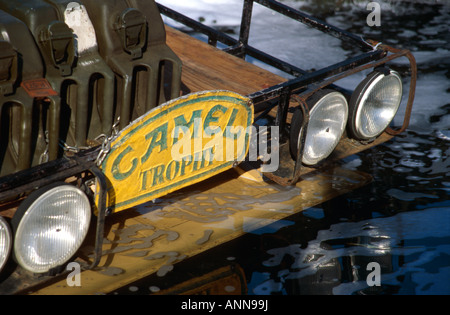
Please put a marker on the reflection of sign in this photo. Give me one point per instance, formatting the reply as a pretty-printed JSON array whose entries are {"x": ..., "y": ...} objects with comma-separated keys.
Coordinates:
[
  {"x": 176, "y": 145},
  {"x": 180, "y": 226}
]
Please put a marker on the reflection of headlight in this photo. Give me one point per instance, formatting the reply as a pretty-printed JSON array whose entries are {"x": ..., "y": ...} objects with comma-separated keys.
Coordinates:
[
  {"x": 327, "y": 121},
  {"x": 50, "y": 226},
  {"x": 374, "y": 104},
  {"x": 5, "y": 242}
]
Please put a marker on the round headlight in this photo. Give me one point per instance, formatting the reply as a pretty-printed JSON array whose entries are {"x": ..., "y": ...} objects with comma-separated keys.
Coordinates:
[
  {"x": 374, "y": 104},
  {"x": 50, "y": 226},
  {"x": 327, "y": 120},
  {"x": 5, "y": 242}
]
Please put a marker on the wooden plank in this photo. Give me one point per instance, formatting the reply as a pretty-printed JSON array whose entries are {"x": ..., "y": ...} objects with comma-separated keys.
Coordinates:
[{"x": 207, "y": 68}]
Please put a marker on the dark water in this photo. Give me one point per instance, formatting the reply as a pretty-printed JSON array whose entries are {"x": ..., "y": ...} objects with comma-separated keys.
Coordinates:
[{"x": 402, "y": 219}]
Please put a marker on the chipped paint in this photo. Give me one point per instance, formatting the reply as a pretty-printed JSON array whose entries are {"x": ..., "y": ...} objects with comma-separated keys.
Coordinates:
[{"x": 77, "y": 18}]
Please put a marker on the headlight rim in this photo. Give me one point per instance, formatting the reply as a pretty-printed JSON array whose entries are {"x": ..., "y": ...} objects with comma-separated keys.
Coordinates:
[
  {"x": 9, "y": 238},
  {"x": 22, "y": 210},
  {"x": 357, "y": 96},
  {"x": 297, "y": 121}
]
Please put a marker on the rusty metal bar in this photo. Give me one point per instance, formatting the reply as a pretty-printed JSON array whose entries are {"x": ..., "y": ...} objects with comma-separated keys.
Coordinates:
[
  {"x": 101, "y": 215},
  {"x": 396, "y": 53},
  {"x": 412, "y": 88},
  {"x": 310, "y": 78},
  {"x": 244, "y": 32},
  {"x": 26, "y": 180},
  {"x": 282, "y": 110},
  {"x": 290, "y": 173},
  {"x": 298, "y": 163}
]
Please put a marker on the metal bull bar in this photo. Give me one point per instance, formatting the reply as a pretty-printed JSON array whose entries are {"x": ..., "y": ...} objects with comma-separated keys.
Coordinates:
[
  {"x": 290, "y": 172},
  {"x": 305, "y": 83}
]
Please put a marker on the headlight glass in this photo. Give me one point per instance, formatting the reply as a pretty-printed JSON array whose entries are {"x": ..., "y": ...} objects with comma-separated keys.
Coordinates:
[
  {"x": 327, "y": 121},
  {"x": 50, "y": 227},
  {"x": 374, "y": 104},
  {"x": 5, "y": 242}
]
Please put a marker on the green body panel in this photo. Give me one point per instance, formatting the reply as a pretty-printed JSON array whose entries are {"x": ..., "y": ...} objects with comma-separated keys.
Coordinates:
[
  {"x": 102, "y": 59},
  {"x": 21, "y": 116}
]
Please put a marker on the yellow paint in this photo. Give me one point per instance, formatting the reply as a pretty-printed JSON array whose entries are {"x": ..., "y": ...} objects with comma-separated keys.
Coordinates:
[
  {"x": 154, "y": 237},
  {"x": 175, "y": 145}
]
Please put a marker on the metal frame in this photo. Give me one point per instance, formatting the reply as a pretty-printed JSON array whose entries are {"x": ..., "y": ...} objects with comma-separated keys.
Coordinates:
[{"x": 374, "y": 54}]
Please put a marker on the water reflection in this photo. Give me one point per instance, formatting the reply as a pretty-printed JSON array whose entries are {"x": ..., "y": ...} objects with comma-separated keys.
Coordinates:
[
  {"x": 402, "y": 219},
  {"x": 336, "y": 261}
]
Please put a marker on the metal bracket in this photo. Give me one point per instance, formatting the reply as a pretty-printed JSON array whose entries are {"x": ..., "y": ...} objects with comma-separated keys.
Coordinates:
[
  {"x": 101, "y": 215},
  {"x": 289, "y": 171},
  {"x": 59, "y": 43}
]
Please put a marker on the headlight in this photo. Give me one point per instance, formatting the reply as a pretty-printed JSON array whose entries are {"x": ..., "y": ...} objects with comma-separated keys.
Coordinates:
[
  {"x": 5, "y": 242},
  {"x": 374, "y": 104},
  {"x": 50, "y": 226},
  {"x": 327, "y": 120}
]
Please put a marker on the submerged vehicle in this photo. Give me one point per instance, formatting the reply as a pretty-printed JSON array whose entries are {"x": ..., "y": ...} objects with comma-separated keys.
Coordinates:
[{"x": 128, "y": 146}]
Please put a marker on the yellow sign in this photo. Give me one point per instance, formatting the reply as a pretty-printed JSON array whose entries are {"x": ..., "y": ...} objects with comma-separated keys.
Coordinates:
[{"x": 175, "y": 145}]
